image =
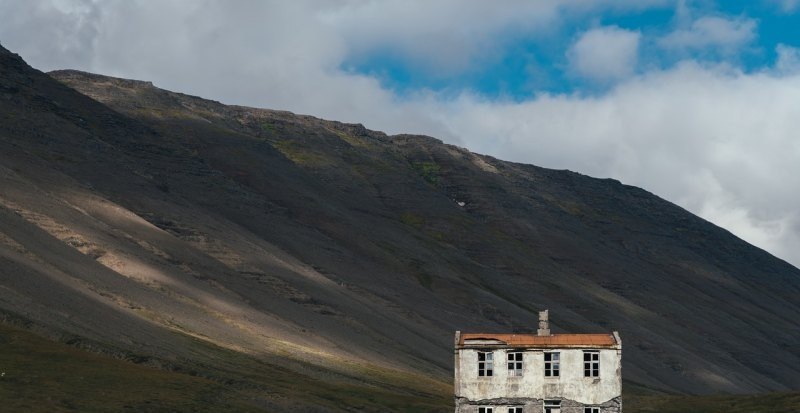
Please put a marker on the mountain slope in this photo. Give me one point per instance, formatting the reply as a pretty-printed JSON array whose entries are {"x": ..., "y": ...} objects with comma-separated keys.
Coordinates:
[{"x": 156, "y": 219}]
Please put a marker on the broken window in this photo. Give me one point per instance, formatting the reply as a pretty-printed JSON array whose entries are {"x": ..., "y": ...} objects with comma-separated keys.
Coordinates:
[
  {"x": 591, "y": 410},
  {"x": 485, "y": 364},
  {"x": 515, "y": 410},
  {"x": 552, "y": 406},
  {"x": 552, "y": 364},
  {"x": 591, "y": 364},
  {"x": 514, "y": 363},
  {"x": 486, "y": 409}
]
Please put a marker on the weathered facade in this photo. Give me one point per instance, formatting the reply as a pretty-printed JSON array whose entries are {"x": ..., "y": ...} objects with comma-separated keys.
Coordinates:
[{"x": 538, "y": 373}]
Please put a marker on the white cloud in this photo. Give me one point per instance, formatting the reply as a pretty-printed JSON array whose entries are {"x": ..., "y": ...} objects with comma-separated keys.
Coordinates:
[
  {"x": 46, "y": 31},
  {"x": 725, "y": 35},
  {"x": 719, "y": 142},
  {"x": 443, "y": 37},
  {"x": 446, "y": 36},
  {"x": 788, "y": 60},
  {"x": 605, "y": 54},
  {"x": 787, "y": 6}
]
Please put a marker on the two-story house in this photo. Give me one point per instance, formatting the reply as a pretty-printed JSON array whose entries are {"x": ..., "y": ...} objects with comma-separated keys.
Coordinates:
[{"x": 538, "y": 373}]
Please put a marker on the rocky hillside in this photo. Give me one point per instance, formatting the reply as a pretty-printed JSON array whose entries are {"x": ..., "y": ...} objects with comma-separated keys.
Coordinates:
[{"x": 170, "y": 228}]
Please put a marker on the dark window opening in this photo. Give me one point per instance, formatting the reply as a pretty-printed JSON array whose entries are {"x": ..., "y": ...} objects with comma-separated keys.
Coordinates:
[
  {"x": 552, "y": 364},
  {"x": 485, "y": 364},
  {"x": 514, "y": 363},
  {"x": 591, "y": 364}
]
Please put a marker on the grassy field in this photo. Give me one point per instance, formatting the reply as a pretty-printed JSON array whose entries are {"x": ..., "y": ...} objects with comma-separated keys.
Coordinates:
[
  {"x": 40, "y": 375},
  {"x": 635, "y": 401}
]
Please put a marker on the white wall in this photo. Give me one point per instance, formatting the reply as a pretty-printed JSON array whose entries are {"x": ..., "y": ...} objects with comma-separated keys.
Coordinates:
[{"x": 533, "y": 384}]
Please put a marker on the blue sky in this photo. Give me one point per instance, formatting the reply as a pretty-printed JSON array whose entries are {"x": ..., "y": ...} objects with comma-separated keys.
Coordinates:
[
  {"x": 697, "y": 101},
  {"x": 524, "y": 63}
]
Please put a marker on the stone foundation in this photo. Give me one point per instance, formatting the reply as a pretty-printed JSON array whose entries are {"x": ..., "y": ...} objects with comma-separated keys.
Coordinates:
[{"x": 533, "y": 405}]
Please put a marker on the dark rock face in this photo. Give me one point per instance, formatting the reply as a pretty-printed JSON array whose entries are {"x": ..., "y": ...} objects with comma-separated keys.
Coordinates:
[{"x": 148, "y": 212}]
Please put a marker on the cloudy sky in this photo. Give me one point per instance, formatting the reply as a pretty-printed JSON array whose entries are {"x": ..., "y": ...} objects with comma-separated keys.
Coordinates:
[{"x": 696, "y": 101}]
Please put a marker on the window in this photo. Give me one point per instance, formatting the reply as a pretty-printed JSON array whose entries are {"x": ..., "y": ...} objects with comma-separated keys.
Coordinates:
[
  {"x": 591, "y": 364},
  {"x": 485, "y": 365},
  {"x": 552, "y": 364},
  {"x": 514, "y": 363},
  {"x": 591, "y": 410},
  {"x": 515, "y": 410},
  {"x": 552, "y": 406},
  {"x": 486, "y": 409}
]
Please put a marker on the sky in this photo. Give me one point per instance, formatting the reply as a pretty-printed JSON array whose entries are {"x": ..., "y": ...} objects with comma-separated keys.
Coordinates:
[{"x": 696, "y": 101}]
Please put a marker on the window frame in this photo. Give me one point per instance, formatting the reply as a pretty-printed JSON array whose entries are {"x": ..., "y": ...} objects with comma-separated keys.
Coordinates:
[
  {"x": 485, "y": 363},
  {"x": 591, "y": 409},
  {"x": 591, "y": 363},
  {"x": 516, "y": 365},
  {"x": 551, "y": 404},
  {"x": 515, "y": 409},
  {"x": 552, "y": 367},
  {"x": 486, "y": 409}
]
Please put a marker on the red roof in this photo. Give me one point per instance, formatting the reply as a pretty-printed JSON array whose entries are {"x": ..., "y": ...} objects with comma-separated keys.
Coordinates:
[{"x": 554, "y": 340}]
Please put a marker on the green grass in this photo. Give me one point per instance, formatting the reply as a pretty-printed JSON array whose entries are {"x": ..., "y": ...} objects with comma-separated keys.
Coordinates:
[
  {"x": 761, "y": 403},
  {"x": 356, "y": 142},
  {"x": 429, "y": 171},
  {"x": 267, "y": 128},
  {"x": 299, "y": 155},
  {"x": 638, "y": 400},
  {"x": 40, "y": 375}
]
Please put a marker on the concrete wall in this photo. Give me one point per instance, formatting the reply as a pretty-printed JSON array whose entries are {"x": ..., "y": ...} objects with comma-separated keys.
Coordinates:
[
  {"x": 534, "y": 405},
  {"x": 533, "y": 385}
]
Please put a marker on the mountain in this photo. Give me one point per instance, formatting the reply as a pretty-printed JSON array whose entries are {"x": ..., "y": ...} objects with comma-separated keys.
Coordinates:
[{"x": 284, "y": 255}]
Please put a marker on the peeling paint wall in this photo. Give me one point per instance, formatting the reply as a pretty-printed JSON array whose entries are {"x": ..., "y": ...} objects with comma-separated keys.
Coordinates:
[{"x": 530, "y": 389}]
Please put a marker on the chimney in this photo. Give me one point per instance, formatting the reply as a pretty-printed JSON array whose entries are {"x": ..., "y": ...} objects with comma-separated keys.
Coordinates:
[{"x": 544, "y": 324}]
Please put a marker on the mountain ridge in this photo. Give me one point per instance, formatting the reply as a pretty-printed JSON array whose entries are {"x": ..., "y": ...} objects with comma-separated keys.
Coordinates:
[{"x": 332, "y": 242}]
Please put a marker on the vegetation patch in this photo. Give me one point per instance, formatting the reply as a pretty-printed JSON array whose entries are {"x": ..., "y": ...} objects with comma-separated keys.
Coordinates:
[
  {"x": 430, "y": 171},
  {"x": 354, "y": 141},
  {"x": 411, "y": 219},
  {"x": 637, "y": 399},
  {"x": 424, "y": 279},
  {"x": 267, "y": 128},
  {"x": 38, "y": 375},
  {"x": 760, "y": 403},
  {"x": 159, "y": 113},
  {"x": 299, "y": 155}
]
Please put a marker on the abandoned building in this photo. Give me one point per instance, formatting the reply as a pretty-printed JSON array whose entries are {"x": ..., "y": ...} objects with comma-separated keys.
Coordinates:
[{"x": 538, "y": 373}]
